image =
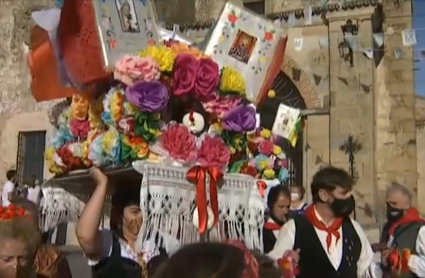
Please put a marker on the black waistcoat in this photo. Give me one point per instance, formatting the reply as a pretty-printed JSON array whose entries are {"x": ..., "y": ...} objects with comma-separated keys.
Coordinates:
[
  {"x": 116, "y": 266},
  {"x": 314, "y": 261},
  {"x": 405, "y": 237},
  {"x": 269, "y": 240}
]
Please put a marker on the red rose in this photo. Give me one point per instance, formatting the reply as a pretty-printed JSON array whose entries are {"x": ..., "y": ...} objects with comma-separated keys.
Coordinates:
[
  {"x": 179, "y": 142},
  {"x": 214, "y": 152},
  {"x": 207, "y": 78},
  {"x": 184, "y": 74},
  {"x": 12, "y": 207}
]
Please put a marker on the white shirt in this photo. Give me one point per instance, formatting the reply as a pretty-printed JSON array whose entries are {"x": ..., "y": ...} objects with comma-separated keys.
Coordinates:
[
  {"x": 34, "y": 194},
  {"x": 366, "y": 268},
  {"x": 8, "y": 187},
  {"x": 149, "y": 251},
  {"x": 417, "y": 262}
]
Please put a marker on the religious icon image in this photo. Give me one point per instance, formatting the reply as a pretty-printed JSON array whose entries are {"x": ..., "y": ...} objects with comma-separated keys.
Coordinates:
[
  {"x": 127, "y": 16},
  {"x": 242, "y": 47}
]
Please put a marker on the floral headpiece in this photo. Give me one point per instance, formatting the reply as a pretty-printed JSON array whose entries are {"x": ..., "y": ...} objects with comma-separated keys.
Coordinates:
[{"x": 11, "y": 212}]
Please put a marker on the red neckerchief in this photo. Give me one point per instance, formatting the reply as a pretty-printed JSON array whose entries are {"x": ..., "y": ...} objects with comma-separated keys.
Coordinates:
[
  {"x": 272, "y": 226},
  {"x": 331, "y": 230},
  {"x": 411, "y": 216}
]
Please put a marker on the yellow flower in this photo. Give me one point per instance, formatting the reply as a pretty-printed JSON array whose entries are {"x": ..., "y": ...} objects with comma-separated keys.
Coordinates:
[
  {"x": 233, "y": 150},
  {"x": 269, "y": 174},
  {"x": 54, "y": 168},
  {"x": 162, "y": 54},
  {"x": 95, "y": 111},
  {"x": 217, "y": 127},
  {"x": 277, "y": 150},
  {"x": 117, "y": 106},
  {"x": 265, "y": 133},
  {"x": 264, "y": 164},
  {"x": 232, "y": 81},
  {"x": 271, "y": 94}
]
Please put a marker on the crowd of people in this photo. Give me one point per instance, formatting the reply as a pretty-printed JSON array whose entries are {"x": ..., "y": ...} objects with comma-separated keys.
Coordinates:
[{"x": 315, "y": 240}]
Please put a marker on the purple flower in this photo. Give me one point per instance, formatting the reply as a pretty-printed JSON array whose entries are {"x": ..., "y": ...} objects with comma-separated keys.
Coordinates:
[
  {"x": 148, "y": 96},
  {"x": 240, "y": 119}
]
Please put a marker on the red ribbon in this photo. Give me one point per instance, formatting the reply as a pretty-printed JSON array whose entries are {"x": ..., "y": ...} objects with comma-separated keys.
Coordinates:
[
  {"x": 399, "y": 260},
  {"x": 262, "y": 186},
  {"x": 197, "y": 175}
]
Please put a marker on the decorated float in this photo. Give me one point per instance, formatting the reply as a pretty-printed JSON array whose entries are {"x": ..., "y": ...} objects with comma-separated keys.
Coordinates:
[{"x": 142, "y": 101}]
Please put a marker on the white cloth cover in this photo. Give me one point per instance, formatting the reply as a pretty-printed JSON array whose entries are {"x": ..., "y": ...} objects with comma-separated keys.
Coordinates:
[{"x": 168, "y": 203}]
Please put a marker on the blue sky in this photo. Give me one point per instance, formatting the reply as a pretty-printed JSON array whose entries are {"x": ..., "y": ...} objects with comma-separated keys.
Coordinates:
[{"x": 419, "y": 25}]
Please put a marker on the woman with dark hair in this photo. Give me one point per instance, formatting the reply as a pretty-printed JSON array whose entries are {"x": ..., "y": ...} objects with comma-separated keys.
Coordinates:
[
  {"x": 298, "y": 204},
  {"x": 218, "y": 260},
  {"x": 112, "y": 253},
  {"x": 278, "y": 203}
]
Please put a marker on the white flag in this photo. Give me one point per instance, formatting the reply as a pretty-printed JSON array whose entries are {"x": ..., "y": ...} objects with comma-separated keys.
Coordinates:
[
  {"x": 368, "y": 53},
  {"x": 398, "y": 53},
  {"x": 291, "y": 19},
  {"x": 379, "y": 39},
  {"x": 308, "y": 15}
]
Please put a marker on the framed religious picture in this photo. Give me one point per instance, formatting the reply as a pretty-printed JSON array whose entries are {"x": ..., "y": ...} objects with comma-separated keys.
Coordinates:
[
  {"x": 125, "y": 27},
  {"x": 285, "y": 121},
  {"x": 248, "y": 43}
]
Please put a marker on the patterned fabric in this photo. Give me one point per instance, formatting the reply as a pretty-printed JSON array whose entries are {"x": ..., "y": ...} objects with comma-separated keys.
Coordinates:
[
  {"x": 58, "y": 206},
  {"x": 168, "y": 203},
  {"x": 51, "y": 263}
]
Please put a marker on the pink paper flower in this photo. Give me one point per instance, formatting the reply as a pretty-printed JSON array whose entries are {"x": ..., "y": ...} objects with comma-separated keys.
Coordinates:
[
  {"x": 221, "y": 105},
  {"x": 80, "y": 128},
  {"x": 207, "y": 78},
  {"x": 185, "y": 74},
  {"x": 266, "y": 147},
  {"x": 133, "y": 68},
  {"x": 179, "y": 142},
  {"x": 214, "y": 152}
]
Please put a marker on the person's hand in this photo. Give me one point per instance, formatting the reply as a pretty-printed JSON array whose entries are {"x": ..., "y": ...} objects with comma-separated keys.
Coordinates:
[
  {"x": 384, "y": 255},
  {"x": 98, "y": 176},
  {"x": 293, "y": 254},
  {"x": 379, "y": 247}
]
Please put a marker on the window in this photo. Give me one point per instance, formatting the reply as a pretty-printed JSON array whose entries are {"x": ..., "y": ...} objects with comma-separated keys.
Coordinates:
[
  {"x": 257, "y": 7},
  {"x": 30, "y": 156}
]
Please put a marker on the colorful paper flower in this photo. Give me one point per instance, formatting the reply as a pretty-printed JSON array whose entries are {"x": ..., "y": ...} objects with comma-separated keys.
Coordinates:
[
  {"x": 54, "y": 162},
  {"x": 79, "y": 128},
  {"x": 207, "y": 79},
  {"x": 134, "y": 147},
  {"x": 131, "y": 69},
  {"x": 240, "y": 119},
  {"x": 147, "y": 126},
  {"x": 221, "y": 104},
  {"x": 184, "y": 74},
  {"x": 266, "y": 147},
  {"x": 183, "y": 48},
  {"x": 232, "y": 81},
  {"x": 179, "y": 142},
  {"x": 163, "y": 55},
  {"x": 148, "y": 96},
  {"x": 213, "y": 152}
]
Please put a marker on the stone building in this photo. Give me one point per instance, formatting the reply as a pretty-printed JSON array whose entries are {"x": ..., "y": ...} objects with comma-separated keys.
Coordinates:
[{"x": 342, "y": 89}]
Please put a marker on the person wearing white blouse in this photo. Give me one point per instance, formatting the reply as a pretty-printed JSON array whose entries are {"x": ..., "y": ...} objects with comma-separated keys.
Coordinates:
[
  {"x": 325, "y": 241},
  {"x": 406, "y": 232}
]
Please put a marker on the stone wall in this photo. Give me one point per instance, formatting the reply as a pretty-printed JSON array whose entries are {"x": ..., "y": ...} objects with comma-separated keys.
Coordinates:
[
  {"x": 18, "y": 110},
  {"x": 420, "y": 152},
  {"x": 395, "y": 130}
]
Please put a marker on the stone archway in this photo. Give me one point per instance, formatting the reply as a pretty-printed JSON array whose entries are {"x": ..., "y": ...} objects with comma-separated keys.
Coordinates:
[{"x": 303, "y": 85}]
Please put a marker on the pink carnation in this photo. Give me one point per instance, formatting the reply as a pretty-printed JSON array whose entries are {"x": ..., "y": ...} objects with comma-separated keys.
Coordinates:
[
  {"x": 133, "y": 68},
  {"x": 214, "y": 152},
  {"x": 266, "y": 147},
  {"x": 79, "y": 128},
  {"x": 221, "y": 105},
  {"x": 179, "y": 142}
]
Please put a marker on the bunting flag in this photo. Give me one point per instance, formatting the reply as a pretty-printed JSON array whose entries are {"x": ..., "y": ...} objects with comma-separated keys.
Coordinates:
[
  {"x": 296, "y": 74},
  {"x": 379, "y": 39},
  {"x": 308, "y": 15},
  {"x": 343, "y": 80},
  {"x": 293, "y": 137},
  {"x": 291, "y": 20},
  {"x": 351, "y": 41},
  {"x": 365, "y": 88},
  {"x": 317, "y": 79},
  {"x": 398, "y": 53},
  {"x": 368, "y": 53}
]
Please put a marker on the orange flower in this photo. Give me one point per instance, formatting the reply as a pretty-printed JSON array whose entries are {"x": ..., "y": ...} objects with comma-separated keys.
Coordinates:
[{"x": 180, "y": 48}]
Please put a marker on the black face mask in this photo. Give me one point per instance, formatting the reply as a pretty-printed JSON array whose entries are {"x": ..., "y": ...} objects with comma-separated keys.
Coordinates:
[
  {"x": 394, "y": 214},
  {"x": 342, "y": 207}
]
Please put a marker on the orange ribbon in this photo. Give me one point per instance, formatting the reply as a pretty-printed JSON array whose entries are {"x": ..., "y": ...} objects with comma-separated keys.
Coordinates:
[
  {"x": 399, "y": 260},
  {"x": 197, "y": 175}
]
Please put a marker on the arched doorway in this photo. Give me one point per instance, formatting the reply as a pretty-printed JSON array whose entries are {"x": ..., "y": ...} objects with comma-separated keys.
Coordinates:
[{"x": 288, "y": 94}]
